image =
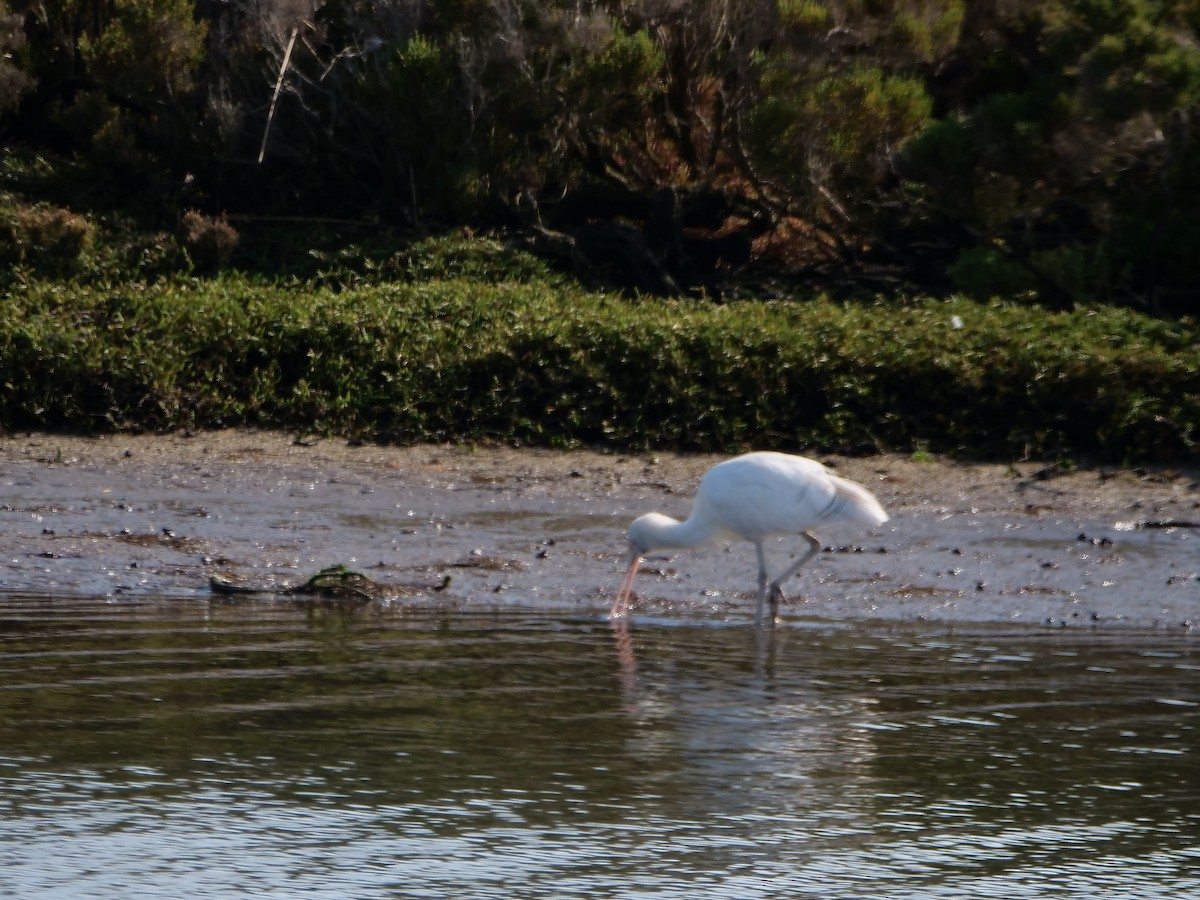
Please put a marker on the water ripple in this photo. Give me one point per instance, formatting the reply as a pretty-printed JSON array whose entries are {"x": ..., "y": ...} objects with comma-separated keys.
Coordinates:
[{"x": 202, "y": 751}]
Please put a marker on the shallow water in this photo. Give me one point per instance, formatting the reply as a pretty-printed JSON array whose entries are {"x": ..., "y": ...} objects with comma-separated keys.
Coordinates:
[{"x": 192, "y": 748}]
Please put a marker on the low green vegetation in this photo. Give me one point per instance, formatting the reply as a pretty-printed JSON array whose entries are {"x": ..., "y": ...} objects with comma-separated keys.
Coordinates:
[{"x": 461, "y": 338}]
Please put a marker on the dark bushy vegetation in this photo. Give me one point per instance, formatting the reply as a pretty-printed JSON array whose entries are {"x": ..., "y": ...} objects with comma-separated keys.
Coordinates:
[
  {"x": 1047, "y": 150},
  {"x": 356, "y": 217}
]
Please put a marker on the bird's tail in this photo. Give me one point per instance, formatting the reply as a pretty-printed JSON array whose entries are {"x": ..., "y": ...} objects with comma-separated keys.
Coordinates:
[{"x": 855, "y": 503}]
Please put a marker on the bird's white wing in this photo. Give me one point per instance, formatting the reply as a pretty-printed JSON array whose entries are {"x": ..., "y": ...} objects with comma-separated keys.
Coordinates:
[{"x": 761, "y": 494}]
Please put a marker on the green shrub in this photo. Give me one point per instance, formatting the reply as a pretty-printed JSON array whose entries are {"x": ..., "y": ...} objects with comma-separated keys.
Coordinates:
[
  {"x": 45, "y": 238},
  {"x": 1091, "y": 105},
  {"x": 985, "y": 272},
  {"x": 531, "y": 361},
  {"x": 13, "y": 81},
  {"x": 210, "y": 242},
  {"x": 831, "y": 136},
  {"x": 135, "y": 63}
]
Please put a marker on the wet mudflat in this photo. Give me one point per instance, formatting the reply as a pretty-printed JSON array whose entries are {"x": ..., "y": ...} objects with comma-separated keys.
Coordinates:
[
  {"x": 161, "y": 515},
  {"x": 995, "y": 694}
]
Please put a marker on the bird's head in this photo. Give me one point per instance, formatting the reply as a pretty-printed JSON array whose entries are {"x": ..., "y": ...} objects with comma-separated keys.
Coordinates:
[{"x": 645, "y": 533}]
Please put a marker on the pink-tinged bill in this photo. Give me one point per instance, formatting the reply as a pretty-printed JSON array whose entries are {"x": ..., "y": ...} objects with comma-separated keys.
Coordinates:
[{"x": 621, "y": 601}]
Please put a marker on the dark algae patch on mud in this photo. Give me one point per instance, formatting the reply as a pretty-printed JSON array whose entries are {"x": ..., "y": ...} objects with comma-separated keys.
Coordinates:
[{"x": 336, "y": 583}]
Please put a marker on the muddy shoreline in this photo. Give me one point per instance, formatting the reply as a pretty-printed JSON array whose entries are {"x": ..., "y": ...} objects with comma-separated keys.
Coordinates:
[{"x": 158, "y": 515}]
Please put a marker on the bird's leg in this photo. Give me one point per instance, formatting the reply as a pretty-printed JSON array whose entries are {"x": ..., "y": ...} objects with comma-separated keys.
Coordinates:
[
  {"x": 762, "y": 584},
  {"x": 775, "y": 597},
  {"x": 776, "y": 594}
]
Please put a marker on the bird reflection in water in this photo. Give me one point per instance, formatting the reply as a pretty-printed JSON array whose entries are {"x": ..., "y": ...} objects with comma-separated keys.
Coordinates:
[{"x": 766, "y": 642}]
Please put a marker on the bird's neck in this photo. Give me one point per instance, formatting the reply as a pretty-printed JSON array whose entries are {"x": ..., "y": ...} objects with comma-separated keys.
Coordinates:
[{"x": 663, "y": 532}]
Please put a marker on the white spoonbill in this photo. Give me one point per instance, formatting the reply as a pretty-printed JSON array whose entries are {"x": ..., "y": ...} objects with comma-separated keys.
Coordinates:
[{"x": 754, "y": 497}]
